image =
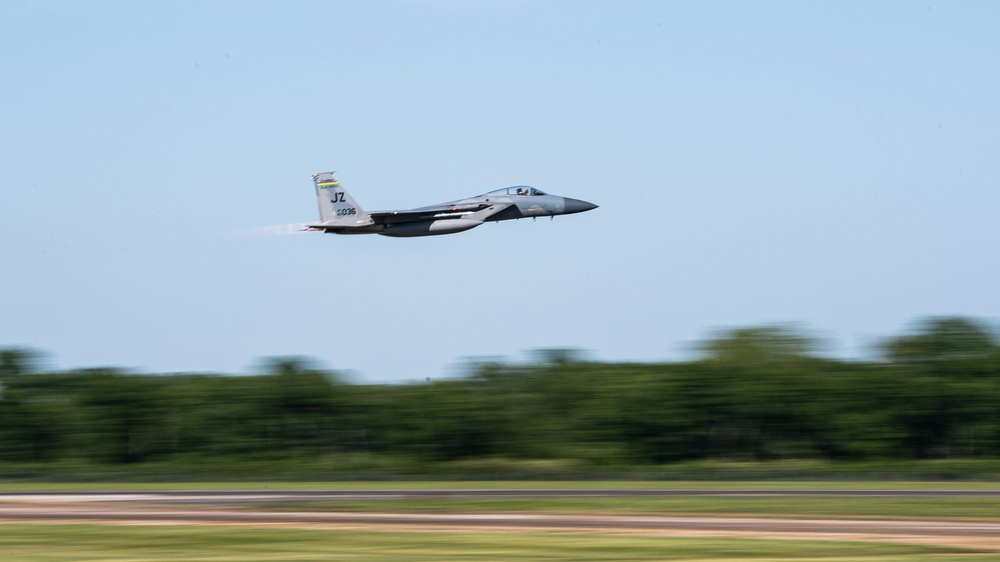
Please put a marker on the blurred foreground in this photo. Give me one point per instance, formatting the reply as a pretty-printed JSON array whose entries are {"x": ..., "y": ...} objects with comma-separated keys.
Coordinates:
[
  {"x": 527, "y": 523},
  {"x": 759, "y": 395},
  {"x": 101, "y": 542}
]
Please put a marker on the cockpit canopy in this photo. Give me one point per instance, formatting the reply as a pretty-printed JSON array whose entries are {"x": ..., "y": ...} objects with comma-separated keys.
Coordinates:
[{"x": 516, "y": 190}]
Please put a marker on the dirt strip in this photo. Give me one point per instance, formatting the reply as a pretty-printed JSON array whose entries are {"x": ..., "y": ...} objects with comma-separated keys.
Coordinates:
[{"x": 967, "y": 534}]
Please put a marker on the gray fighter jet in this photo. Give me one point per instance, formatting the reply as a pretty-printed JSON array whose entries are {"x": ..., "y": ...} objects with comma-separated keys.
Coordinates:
[{"x": 339, "y": 213}]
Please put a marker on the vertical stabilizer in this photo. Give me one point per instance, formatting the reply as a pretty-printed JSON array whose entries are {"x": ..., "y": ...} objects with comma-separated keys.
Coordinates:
[{"x": 335, "y": 204}]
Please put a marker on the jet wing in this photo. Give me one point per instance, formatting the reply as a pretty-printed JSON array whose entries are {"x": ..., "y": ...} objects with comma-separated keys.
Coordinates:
[{"x": 443, "y": 211}]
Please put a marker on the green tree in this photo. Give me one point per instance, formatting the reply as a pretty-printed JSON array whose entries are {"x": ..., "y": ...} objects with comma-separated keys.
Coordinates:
[{"x": 949, "y": 405}]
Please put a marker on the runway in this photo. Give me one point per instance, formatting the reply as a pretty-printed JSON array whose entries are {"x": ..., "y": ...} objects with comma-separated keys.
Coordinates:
[{"x": 250, "y": 508}]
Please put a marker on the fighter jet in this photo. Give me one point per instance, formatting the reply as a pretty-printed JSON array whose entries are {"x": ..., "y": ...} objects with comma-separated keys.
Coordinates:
[{"x": 340, "y": 214}]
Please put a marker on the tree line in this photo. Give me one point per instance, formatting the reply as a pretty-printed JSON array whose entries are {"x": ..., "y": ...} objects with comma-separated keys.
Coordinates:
[{"x": 757, "y": 393}]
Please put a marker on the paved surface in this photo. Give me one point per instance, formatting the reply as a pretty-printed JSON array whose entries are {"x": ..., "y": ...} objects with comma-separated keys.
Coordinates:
[
  {"x": 152, "y": 513},
  {"x": 222, "y": 507}
]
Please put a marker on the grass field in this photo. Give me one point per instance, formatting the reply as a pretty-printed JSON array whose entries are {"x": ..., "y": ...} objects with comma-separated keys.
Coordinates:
[
  {"x": 365, "y": 467},
  {"x": 51, "y": 543},
  {"x": 884, "y": 508}
]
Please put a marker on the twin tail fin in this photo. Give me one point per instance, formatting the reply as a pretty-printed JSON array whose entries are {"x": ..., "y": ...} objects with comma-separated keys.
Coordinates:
[{"x": 336, "y": 206}]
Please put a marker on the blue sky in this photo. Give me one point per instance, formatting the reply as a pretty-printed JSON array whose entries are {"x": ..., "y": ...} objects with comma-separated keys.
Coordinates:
[{"x": 827, "y": 164}]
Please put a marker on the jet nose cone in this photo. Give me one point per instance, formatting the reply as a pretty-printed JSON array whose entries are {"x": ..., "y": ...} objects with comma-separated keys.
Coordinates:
[{"x": 577, "y": 205}]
